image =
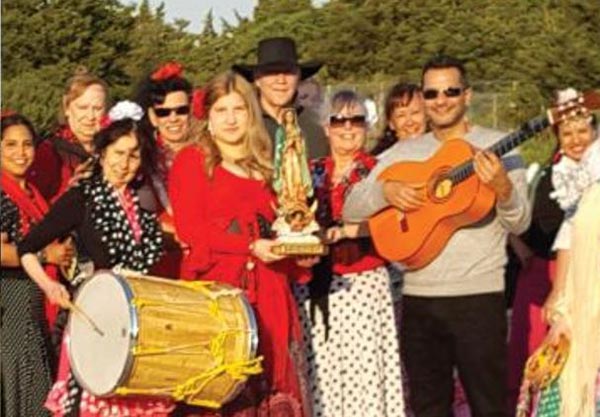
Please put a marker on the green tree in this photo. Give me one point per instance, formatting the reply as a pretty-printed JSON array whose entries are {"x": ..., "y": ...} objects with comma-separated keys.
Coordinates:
[
  {"x": 208, "y": 27},
  {"x": 517, "y": 52},
  {"x": 48, "y": 40},
  {"x": 268, "y": 9}
]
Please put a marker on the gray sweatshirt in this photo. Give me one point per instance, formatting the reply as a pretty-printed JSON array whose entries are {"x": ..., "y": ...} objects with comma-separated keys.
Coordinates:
[{"x": 473, "y": 260}]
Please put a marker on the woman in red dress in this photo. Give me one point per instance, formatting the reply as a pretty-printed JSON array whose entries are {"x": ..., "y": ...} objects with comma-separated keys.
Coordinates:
[{"x": 223, "y": 207}]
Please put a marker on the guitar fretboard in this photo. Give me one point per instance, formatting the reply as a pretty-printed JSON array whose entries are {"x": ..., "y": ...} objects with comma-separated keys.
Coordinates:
[{"x": 503, "y": 146}]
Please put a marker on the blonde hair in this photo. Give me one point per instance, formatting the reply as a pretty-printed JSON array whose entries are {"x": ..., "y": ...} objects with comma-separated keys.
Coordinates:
[
  {"x": 257, "y": 138},
  {"x": 76, "y": 86}
]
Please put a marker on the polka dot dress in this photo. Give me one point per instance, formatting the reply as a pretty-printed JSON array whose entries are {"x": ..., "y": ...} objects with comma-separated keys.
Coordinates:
[
  {"x": 356, "y": 371},
  {"x": 24, "y": 343}
]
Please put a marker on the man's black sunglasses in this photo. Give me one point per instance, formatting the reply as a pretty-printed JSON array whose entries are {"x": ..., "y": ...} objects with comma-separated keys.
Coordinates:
[
  {"x": 450, "y": 92},
  {"x": 165, "y": 111}
]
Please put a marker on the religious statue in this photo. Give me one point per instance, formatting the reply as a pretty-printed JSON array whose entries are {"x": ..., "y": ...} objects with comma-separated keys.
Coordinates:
[{"x": 295, "y": 224}]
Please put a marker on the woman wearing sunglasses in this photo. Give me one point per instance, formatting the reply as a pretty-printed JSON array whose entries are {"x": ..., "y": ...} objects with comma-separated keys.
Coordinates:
[
  {"x": 166, "y": 97},
  {"x": 404, "y": 116},
  {"x": 351, "y": 335}
]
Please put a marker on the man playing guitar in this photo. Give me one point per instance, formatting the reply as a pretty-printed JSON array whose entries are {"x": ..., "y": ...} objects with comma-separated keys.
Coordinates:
[{"x": 453, "y": 307}]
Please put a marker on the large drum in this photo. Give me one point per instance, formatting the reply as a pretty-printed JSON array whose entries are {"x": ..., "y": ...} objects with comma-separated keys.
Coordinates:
[{"x": 190, "y": 341}]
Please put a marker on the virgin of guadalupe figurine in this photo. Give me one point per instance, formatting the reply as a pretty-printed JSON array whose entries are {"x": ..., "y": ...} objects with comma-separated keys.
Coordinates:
[
  {"x": 292, "y": 181},
  {"x": 295, "y": 224}
]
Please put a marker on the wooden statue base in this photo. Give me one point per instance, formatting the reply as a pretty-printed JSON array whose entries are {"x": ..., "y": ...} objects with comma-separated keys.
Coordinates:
[{"x": 301, "y": 249}]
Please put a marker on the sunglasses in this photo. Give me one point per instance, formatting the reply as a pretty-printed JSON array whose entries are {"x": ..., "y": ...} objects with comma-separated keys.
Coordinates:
[
  {"x": 337, "y": 120},
  {"x": 450, "y": 92},
  {"x": 165, "y": 112}
]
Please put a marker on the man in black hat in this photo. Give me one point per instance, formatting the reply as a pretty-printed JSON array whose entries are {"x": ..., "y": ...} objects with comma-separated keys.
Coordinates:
[{"x": 276, "y": 75}]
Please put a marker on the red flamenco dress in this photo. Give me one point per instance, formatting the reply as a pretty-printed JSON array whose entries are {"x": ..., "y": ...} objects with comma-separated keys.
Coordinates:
[{"x": 218, "y": 218}]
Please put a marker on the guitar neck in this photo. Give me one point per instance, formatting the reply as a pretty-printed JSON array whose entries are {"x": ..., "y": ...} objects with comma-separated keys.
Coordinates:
[{"x": 503, "y": 146}]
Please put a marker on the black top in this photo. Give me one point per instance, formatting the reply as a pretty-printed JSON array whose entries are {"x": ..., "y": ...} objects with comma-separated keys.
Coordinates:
[
  {"x": 10, "y": 220},
  {"x": 67, "y": 214},
  {"x": 92, "y": 210},
  {"x": 546, "y": 218},
  {"x": 317, "y": 145},
  {"x": 10, "y": 223}
]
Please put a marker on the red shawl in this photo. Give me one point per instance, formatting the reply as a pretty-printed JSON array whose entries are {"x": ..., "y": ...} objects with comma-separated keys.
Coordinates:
[{"x": 32, "y": 208}]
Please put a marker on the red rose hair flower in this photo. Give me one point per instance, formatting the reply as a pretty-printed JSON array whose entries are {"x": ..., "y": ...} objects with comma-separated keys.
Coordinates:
[{"x": 169, "y": 70}]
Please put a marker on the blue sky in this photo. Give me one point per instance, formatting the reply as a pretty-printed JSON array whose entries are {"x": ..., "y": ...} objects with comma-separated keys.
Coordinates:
[{"x": 195, "y": 10}]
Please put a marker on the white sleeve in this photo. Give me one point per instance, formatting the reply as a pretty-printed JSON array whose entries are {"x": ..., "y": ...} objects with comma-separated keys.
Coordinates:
[
  {"x": 515, "y": 213},
  {"x": 365, "y": 198}
]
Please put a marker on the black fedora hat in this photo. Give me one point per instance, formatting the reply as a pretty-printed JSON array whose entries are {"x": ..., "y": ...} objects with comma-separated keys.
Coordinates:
[{"x": 274, "y": 54}]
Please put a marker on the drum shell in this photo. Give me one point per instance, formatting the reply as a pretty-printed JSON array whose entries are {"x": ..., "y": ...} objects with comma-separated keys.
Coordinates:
[{"x": 178, "y": 331}]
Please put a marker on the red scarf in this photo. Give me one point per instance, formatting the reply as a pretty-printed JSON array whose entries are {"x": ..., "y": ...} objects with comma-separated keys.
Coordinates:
[
  {"x": 330, "y": 196},
  {"x": 32, "y": 208}
]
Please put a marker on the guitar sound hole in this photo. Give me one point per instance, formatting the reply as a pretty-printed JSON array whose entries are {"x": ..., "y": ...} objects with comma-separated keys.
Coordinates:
[{"x": 442, "y": 189}]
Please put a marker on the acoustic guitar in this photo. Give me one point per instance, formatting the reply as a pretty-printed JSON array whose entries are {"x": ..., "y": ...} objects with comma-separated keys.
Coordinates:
[{"x": 455, "y": 197}]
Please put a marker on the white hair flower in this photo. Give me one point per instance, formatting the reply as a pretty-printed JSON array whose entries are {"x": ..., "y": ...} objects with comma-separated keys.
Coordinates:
[
  {"x": 562, "y": 96},
  {"x": 126, "y": 110}
]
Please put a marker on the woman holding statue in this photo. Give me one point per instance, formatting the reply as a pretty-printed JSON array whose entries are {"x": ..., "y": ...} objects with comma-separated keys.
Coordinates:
[{"x": 223, "y": 209}]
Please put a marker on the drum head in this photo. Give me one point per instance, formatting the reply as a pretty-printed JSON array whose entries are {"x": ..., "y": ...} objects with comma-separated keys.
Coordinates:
[{"x": 100, "y": 363}]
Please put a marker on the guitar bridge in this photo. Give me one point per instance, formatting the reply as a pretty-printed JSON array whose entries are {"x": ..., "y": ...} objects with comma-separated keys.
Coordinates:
[{"x": 403, "y": 224}]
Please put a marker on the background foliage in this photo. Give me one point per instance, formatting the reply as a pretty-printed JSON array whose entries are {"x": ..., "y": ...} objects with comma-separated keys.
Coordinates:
[{"x": 517, "y": 51}]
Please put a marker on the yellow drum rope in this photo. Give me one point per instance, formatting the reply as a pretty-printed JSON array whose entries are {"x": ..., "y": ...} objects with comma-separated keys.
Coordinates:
[{"x": 193, "y": 386}]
